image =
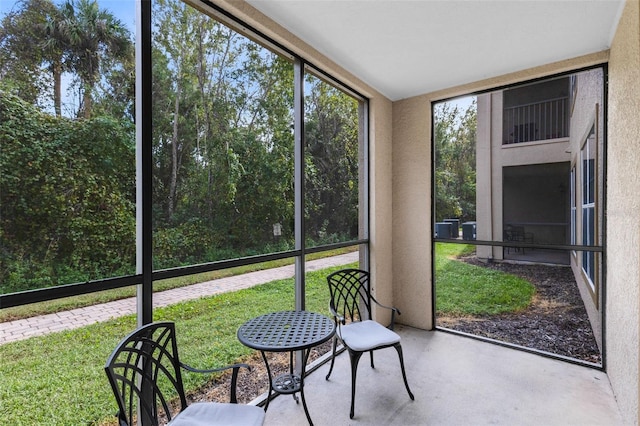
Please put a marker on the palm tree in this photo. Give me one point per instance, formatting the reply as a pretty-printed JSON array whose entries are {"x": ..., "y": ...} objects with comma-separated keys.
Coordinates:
[
  {"x": 53, "y": 46},
  {"x": 90, "y": 36}
]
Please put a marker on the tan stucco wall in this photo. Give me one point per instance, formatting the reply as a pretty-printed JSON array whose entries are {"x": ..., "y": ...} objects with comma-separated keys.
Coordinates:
[
  {"x": 412, "y": 211},
  {"x": 588, "y": 112},
  {"x": 380, "y": 199},
  {"x": 623, "y": 213},
  {"x": 485, "y": 187}
]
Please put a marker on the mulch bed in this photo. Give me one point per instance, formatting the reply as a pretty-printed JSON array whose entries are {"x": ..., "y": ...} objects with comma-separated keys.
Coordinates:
[
  {"x": 555, "y": 322},
  {"x": 254, "y": 383}
]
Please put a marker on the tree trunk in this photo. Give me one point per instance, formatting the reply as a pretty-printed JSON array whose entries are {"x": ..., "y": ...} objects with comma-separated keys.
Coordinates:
[
  {"x": 56, "y": 70},
  {"x": 173, "y": 179},
  {"x": 86, "y": 101}
]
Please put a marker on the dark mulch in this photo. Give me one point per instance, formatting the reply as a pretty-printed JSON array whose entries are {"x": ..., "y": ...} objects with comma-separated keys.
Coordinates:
[
  {"x": 256, "y": 382},
  {"x": 555, "y": 322}
]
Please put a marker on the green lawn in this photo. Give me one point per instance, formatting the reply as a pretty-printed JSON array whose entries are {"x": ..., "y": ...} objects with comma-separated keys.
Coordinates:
[
  {"x": 464, "y": 289},
  {"x": 58, "y": 379}
]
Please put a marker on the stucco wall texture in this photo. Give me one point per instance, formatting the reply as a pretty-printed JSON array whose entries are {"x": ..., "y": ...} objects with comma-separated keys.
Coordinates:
[{"x": 623, "y": 213}]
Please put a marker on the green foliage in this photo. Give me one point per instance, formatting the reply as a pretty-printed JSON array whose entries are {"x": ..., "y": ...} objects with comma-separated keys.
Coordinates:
[
  {"x": 177, "y": 246},
  {"x": 90, "y": 36},
  {"x": 464, "y": 289},
  {"x": 67, "y": 205},
  {"x": 331, "y": 163},
  {"x": 21, "y": 70},
  {"x": 39, "y": 41},
  {"x": 455, "y": 161},
  {"x": 223, "y": 146}
]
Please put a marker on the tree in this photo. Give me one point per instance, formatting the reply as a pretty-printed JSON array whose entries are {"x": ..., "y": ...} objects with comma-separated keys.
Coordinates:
[
  {"x": 455, "y": 161},
  {"x": 68, "y": 206},
  {"x": 25, "y": 47},
  {"x": 89, "y": 35},
  {"x": 40, "y": 41},
  {"x": 223, "y": 144}
]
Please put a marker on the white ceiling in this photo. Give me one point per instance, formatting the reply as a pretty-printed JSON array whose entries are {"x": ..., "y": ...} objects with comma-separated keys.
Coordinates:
[{"x": 405, "y": 48}]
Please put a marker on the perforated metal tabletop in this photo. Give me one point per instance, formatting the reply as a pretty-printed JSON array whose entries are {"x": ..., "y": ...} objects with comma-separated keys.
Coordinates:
[{"x": 286, "y": 331}]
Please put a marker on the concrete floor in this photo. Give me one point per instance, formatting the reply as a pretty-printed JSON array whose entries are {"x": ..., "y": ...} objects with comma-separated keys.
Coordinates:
[
  {"x": 456, "y": 380},
  {"x": 538, "y": 256}
]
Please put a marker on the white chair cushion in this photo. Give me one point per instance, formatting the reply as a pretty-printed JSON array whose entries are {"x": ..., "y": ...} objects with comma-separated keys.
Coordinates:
[
  {"x": 213, "y": 413},
  {"x": 366, "y": 335}
]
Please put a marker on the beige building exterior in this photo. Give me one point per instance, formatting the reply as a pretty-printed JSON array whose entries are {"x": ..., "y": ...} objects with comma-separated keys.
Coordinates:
[
  {"x": 400, "y": 193},
  {"x": 533, "y": 143}
]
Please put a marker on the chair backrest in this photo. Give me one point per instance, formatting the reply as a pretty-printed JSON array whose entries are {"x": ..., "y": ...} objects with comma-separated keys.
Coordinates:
[
  {"x": 146, "y": 359},
  {"x": 350, "y": 294}
]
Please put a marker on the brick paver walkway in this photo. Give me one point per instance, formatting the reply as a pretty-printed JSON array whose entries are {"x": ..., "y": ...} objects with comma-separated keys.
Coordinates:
[{"x": 12, "y": 331}]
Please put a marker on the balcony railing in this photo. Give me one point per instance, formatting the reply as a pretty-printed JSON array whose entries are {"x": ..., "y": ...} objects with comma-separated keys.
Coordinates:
[{"x": 536, "y": 121}]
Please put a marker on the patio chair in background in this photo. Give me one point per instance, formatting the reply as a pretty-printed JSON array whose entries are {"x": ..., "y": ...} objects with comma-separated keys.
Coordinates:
[
  {"x": 148, "y": 359},
  {"x": 350, "y": 304},
  {"x": 517, "y": 234}
]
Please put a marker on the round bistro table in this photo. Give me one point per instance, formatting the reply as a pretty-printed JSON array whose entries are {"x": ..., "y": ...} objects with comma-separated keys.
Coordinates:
[{"x": 287, "y": 331}]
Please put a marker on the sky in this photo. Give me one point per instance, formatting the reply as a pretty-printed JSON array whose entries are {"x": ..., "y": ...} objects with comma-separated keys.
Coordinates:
[
  {"x": 124, "y": 10},
  {"x": 462, "y": 103}
]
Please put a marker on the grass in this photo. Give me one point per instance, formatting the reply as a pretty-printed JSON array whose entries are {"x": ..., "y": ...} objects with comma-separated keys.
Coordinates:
[
  {"x": 68, "y": 303},
  {"x": 58, "y": 379},
  {"x": 463, "y": 289}
]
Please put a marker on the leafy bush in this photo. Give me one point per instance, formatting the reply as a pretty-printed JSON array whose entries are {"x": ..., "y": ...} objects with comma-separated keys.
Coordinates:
[{"x": 68, "y": 198}]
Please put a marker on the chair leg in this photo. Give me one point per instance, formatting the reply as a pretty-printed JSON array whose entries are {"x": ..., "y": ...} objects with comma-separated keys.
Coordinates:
[
  {"x": 371, "y": 353},
  {"x": 404, "y": 375},
  {"x": 355, "y": 358},
  {"x": 333, "y": 357}
]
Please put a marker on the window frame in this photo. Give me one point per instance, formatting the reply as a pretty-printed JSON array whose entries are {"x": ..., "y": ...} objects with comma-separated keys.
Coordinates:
[{"x": 589, "y": 208}]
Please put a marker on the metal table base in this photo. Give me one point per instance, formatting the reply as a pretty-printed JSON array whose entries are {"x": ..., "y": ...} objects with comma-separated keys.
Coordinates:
[{"x": 287, "y": 331}]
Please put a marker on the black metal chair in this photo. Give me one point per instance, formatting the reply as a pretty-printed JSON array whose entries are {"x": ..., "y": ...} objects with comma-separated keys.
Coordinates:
[
  {"x": 145, "y": 375},
  {"x": 351, "y": 303},
  {"x": 517, "y": 234}
]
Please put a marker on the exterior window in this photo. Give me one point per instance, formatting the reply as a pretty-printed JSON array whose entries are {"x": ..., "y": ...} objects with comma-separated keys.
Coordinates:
[
  {"x": 223, "y": 146},
  {"x": 331, "y": 164},
  {"x": 588, "y": 159},
  {"x": 68, "y": 145}
]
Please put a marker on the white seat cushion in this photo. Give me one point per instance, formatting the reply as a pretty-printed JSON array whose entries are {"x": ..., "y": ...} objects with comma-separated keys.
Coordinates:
[
  {"x": 213, "y": 413},
  {"x": 365, "y": 335}
]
